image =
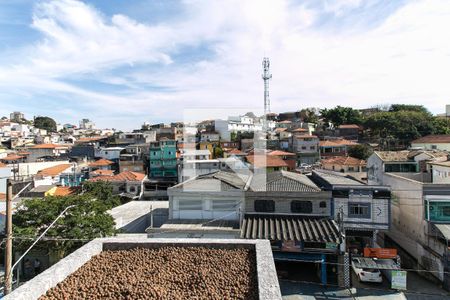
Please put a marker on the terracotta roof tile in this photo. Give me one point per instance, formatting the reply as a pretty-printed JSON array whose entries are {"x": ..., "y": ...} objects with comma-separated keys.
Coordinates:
[
  {"x": 348, "y": 126},
  {"x": 436, "y": 139},
  {"x": 270, "y": 161},
  {"x": 44, "y": 146},
  {"x": 12, "y": 157},
  {"x": 123, "y": 176},
  {"x": 101, "y": 163},
  {"x": 281, "y": 153},
  {"x": 55, "y": 170},
  {"x": 2, "y": 197},
  {"x": 103, "y": 172},
  {"x": 65, "y": 191},
  {"x": 343, "y": 160}
]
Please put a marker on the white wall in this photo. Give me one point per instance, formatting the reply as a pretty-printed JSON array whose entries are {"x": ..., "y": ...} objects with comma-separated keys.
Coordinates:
[
  {"x": 28, "y": 169},
  {"x": 4, "y": 172},
  {"x": 432, "y": 146}
]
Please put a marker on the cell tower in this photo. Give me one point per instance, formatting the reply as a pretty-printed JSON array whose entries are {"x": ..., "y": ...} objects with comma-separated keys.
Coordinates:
[{"x": 266, "y": 76}]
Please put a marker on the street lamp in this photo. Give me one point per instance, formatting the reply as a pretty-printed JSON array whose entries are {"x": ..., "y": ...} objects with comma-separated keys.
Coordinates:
[{"x": 8, "y": 268}]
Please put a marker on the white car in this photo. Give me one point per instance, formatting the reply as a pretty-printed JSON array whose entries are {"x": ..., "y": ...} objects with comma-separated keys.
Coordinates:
[{"x": 366, "y": 275}]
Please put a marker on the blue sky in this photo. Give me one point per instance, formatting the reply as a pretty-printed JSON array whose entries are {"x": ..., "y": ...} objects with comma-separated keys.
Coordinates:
[{"x": 121, "y": 63}]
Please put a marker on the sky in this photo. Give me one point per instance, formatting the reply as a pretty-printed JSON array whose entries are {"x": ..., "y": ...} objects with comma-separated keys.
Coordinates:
[{"x": 122, "y": 63}]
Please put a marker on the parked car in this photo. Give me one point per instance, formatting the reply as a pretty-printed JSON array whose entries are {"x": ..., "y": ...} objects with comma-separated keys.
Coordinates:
[{"x": 366, "y": 275}]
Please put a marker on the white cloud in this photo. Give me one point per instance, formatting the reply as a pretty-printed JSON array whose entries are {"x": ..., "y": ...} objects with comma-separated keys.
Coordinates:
[{"x": 405, "y": 58}]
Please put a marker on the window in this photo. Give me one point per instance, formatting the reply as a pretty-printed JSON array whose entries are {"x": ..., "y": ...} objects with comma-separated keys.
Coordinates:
[
  {"x": 359, "y": 210},
  {"x": 434, "y": 147},
  {"x": 132, "y": 189},
  {"x": 303, "y": 147},
  {"x": 224, "y": 205},
  {"x": 380, "y": 194},
  {"x": 446, "y": 211},
  {"x": 340, "y": 193},
  {"x": 264, "y": 206},
  {"x": 312, "y": 148},
  {"x": 190, "y": 205},
  {"x": 322, "y": 204},
  {"x": 351, "y": 169},
  {"x": 304, "y": 207}
]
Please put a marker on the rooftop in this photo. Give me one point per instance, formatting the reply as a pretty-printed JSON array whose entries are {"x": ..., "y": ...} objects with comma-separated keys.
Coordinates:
[
  {"x": 266, "y": 161},
  {"x": 344, "y": 160},
  {"x": 335, "y": 178},
  {"x": 433, "y": 138},
  {"x": 101, "y": 163},
  {"x": 337, "y": 143},
  {"x": 55, "y": 170},
  {"x": 123, "y": 176},
  {"x": 142, "y": 268},
  {"x": 281, "y": 153},
  {"x": 348, "y": 126},
  {"x": 100, "y": 172},
  {"x": 217, "y": 181},
  {"x": 283, "y": 181},
  {"x": 65, "y": 191}
]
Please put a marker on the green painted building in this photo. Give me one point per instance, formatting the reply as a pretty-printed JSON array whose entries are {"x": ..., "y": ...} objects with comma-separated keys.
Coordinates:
[{"x": 163, "y": 159}]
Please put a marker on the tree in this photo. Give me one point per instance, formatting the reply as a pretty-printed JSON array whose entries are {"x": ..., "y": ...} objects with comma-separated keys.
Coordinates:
[
  {"x": 218, "y": 152},
  {"x": 361, "y": 151},
  {"x": 102, "y": 191},
  {"x": 409, "y": 107},
  {"x": 309, "y": 115},
  {"x": 88, "y": 219},
  {"x": 341, "y": 115},
  {"x": 441, "y": 126},
  {"x": 46, "y": 123},
  {"x": 401, "y": 125}
]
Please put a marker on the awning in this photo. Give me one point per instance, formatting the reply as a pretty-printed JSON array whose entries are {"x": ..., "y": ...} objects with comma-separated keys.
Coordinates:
[
  {"x": 380, "y": 264},
  {"x": 444, "y": 229},
  {"x": 294, "y": 228}
]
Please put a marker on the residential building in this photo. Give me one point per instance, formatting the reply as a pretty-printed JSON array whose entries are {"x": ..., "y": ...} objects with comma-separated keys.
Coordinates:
[
  {"x": 52, "y": 175},
  {"x": 5, "y": 172},
  {"x": 16, "y": 116},
  {"x": 206, "y": 197},
  {"x": 209, "y": 136},
  {"x": 46, "y": 152},
  {"x": 101, "y": 164},
  {"x": 236, "y": 124},
  {"x": 421, "y": 222},
  {"x": 86, "y": 124},
  {"x": 133, "y": 158},
  {"x": 193, "y": 154},
  {"x": 109, "y": 153},
  {"x": 126, "y": 184},
  {"x": 294, "y": 214},
  {"x": 364, "y": 209},
  {"x": 407, "y": 161},
  {"x": 306, "y": 147},
  {"x": 288, "y": 157},
  {"x": 188, "y": 169},
  {"x": 335, "y": 147},
  {"x": 347, "y": 165},
  {"x": 270, "y": 163},
  {"x": 163, "y": 159},
  {"x": 349, "y": 131},
  {"x": 136, "y": 137},
  {"x": 432, "y": 142}
]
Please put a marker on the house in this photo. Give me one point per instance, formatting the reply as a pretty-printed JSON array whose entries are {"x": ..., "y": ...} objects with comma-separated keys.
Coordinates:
[
  {"x": 234, "y": 152},
  {"x": 335, "y": 147},
  {"x": 163, "y": 159},
  {"x": 206, "y": 197},
  {"x": 288, "y": 157},
  {"x": 432, "y": 142},
  {"x": 407, "y": 161},
  {"x": 134, "y": 158},
  {"x": 53, "y": 175},
  {"x": 421, "y": 221},
  {"x": 306, "y": 147},
  {"x": 126, "y": 184},
  {"x": 294, "y": 214},
  {"x": 109, "y": 153},
  {"x": 236, "y": 124},
  {"x": 270, "y": 163},
  {"x": 46, "y": 151},
  {"x": 209, "y": 136},
  {"x": 188, "y": 169},
  {"x": 101, "y": 164},
  {"x": 349, "y": 131},
  {"x": 364, "y": 209},
  {"x": 346, "y": 164},
  {"x": 193, "y": 154}
]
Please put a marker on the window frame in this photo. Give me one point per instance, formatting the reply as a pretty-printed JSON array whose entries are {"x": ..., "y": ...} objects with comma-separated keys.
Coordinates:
[{"x": 359, "y": 205}]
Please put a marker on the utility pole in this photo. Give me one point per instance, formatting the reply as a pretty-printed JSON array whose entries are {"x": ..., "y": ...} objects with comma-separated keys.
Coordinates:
[{"x": 8, "y": 249}]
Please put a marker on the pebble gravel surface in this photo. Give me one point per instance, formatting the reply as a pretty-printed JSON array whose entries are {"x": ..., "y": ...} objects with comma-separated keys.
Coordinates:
[{"x": 163, "y": 273}]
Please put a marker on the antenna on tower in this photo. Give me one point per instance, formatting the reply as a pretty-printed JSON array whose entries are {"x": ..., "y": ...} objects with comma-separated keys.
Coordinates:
[{"x": 266, "y": 76}]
